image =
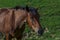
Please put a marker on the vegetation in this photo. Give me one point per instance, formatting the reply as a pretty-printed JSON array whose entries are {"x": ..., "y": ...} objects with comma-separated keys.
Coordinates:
[{"x": 49, "y": 11}]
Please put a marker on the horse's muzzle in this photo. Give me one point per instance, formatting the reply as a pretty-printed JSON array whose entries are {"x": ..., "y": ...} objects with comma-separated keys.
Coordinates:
[{"x": 40, "y": 31}]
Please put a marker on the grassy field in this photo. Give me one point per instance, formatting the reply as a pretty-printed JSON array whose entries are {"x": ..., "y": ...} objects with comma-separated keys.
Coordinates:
[{"x": 49, "y": 11}]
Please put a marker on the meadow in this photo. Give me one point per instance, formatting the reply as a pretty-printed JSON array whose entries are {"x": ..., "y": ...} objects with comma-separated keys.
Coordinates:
[{"x": 49, "y": 11}]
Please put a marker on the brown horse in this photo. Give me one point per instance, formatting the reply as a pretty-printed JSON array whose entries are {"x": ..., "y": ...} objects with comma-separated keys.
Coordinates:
[{"x": 10, "y": 18}]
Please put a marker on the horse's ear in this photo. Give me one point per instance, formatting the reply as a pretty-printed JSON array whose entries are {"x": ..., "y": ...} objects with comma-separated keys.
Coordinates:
[{"x": 27, "y": 8}]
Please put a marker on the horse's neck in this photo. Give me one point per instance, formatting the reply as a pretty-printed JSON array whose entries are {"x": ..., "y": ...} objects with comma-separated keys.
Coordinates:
[{"x": 20, "y": 16}]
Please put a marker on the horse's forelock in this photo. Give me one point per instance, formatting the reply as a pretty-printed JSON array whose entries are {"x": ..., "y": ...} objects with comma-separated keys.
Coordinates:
[{"x": 34, "y": 12}]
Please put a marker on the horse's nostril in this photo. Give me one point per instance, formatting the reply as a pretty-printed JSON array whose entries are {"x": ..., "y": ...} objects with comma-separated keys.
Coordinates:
[{"x": 40, "y": 31}]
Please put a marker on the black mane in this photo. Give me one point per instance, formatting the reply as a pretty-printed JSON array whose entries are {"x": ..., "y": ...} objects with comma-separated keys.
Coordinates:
[
  {"x": 19, "y": 7},
  {"x": 33, "y": 10}
]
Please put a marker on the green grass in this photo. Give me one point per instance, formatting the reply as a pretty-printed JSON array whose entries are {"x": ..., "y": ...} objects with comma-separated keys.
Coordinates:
[{"x": 49, "y": 11}]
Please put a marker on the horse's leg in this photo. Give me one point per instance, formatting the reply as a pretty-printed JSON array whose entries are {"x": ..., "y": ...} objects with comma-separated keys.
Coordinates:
[
  {"x": 20, "y": 32},
  {"x": 10, "y": 37},
  {"x": 7, "y": 36},
  {"x": 12, "y": 34}
]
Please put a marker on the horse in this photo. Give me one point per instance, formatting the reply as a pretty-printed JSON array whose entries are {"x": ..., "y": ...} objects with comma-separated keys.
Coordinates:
[
  {"x": 11, "y": 18},
  {"x": 34, "y": 12}
]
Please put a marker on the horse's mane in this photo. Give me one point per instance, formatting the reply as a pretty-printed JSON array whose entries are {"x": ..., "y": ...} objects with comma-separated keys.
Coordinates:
[
  {"x": 19, "y": 7},
  {"x": 33, "y": 10}
]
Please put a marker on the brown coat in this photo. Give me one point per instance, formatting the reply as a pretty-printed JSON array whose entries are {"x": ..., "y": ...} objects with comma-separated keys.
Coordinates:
[{"x": 9, "y": 19}]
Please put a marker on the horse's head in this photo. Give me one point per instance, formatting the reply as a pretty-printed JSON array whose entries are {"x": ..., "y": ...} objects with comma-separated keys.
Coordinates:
[{"x": 33, "y": 22}]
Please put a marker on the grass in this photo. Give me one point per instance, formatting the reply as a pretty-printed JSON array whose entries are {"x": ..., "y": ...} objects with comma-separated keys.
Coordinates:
[{"x": 49, "y": 11}]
